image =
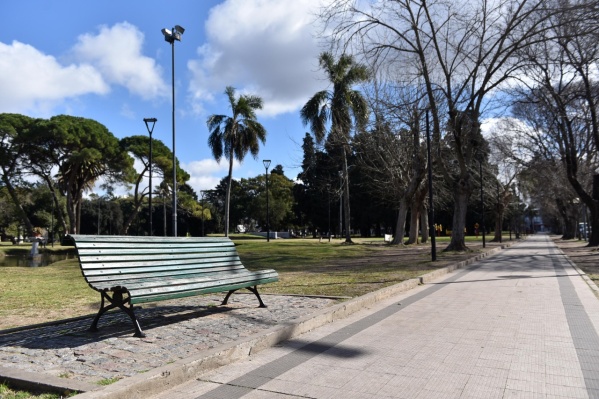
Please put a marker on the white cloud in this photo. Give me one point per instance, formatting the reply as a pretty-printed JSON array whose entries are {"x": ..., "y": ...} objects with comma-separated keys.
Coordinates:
[
  {"x": 34, "y": 82},
  {"x": 116, "y": 52},
  {"x": 263, "y": 47},
  {"x": 207, "y": 173}
]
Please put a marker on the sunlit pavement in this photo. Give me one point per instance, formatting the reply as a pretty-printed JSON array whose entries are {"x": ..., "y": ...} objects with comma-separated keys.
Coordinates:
[{"x": 520, "y": 324}]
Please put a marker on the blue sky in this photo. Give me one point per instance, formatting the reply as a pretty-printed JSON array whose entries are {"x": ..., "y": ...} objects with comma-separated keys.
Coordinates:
[{"x": 108, "y": 61}]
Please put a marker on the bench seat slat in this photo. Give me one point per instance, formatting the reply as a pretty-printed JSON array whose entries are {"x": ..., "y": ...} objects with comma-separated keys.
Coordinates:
[
  {"x": 140, "y": 272},
  {"x": 187, "y": 282},
  {"x": 93, "y": 264},
  {"x": 148, "y": 243},
  {"x": 184, "y": 294},
  {"x": 153, "y": 250},
  {"x": 163, "y": 274}
]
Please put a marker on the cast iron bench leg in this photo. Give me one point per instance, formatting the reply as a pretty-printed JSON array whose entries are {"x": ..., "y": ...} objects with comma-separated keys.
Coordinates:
[
  {"x": 252, "y": 289},
  {"x": 117, "y": 301}
]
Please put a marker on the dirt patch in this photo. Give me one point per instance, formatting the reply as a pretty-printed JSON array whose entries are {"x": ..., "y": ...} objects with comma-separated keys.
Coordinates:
[{"x": 586, "y": 258}]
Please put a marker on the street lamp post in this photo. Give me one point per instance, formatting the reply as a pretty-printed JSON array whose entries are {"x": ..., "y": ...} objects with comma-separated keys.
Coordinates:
[
  {"x": 266, "y": 163},
  {"x": 171, "y": 37},
  {"x": 149, "y": 121}
]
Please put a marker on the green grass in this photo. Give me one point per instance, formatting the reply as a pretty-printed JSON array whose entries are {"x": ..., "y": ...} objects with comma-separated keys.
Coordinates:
[
  {"x": 313, "y": 267},
  {"x": 8, "y": 393},
  {"x": 108, "y": 381},
  {"x": 305, "y": 266},
  {"x": 54, "y": 292}
]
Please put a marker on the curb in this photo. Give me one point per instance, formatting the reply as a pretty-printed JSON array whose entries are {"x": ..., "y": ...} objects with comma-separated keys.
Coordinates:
[
  {"x": 584, "y": 276},
  {"x": 166, "y": 377},
  {"x": 37, "y": 383}
]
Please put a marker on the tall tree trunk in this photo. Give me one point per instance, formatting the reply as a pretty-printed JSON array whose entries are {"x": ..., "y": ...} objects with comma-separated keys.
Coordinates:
[
  {"x": 500, "y": 210},
  {"x": 228, "y": 197},
  {"x": 414, "y": 224},
  {"x": 400, "y": 227},
  {"x": 57, "y": 207},
  {"x": 416, "y": 207},
  {"x": 137, "y": 202},
  {"x": 78, "y": 212},
  {"x": 461, "y": 194},
  {"x": 17, "y": 203},
  {"x": 424, "y": 223},
  {"x": 71, "y": 213},
  {"x": 594, "y": 211}
]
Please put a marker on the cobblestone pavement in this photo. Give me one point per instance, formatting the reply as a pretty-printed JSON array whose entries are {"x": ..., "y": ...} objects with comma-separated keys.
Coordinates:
[{"x": 175, "y": 329}]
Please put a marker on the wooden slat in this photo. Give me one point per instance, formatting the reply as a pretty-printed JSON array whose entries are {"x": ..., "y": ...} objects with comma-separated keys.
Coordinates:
[
  {"x": 151, "y": 285},
  {"x": 161, "y": 274}
]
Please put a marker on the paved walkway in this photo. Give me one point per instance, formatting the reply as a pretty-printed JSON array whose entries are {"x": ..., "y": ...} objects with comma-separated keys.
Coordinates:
[{"x": 520, "y": 324}]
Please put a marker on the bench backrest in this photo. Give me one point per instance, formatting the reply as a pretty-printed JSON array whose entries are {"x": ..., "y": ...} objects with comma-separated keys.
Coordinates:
[{"x": 106, "y": 259}]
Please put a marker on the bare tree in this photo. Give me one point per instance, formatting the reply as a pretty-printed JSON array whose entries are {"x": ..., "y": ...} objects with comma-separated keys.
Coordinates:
[
  {"x": 463, "y": 51},
  {"x": 392, "y": 152}
]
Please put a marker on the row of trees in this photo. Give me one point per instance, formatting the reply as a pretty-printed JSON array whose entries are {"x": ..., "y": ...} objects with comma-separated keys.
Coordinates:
[
  {"x": 533, "y": 62},
  {"x": 69, "y": 156},
  {"x": 433, "y": 67}
]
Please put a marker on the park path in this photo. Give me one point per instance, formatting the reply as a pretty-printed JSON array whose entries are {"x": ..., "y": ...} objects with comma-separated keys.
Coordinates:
[{"x": 520, "y": 324}]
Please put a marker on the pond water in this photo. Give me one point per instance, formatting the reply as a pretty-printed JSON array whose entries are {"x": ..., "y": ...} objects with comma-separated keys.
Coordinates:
[{"x": 43, "y": 259}]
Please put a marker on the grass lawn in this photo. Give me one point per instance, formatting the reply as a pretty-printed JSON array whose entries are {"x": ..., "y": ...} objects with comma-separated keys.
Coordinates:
[{"x": 306, "y": 267}]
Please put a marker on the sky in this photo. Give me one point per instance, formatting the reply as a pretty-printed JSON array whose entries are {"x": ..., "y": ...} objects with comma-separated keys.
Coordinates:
[{"x": 108, "y": 61}]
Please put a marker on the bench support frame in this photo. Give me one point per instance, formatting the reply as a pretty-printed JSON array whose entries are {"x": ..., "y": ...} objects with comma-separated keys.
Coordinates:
[
  {"x": 253, "y": 289},
  {"x": 122, "y": 300}
]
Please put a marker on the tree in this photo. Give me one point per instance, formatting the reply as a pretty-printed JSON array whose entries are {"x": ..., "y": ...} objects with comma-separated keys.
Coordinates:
[
  {"x": 236, "y": 135},
  {"x": 162, "y": 165},
  {"x": 559, "y": 101},
  {"x": 13, "y": 154},
  {"x": 463, "y": 52},
  {"x": 84, "y": 151},
  {"x": 344, "y": 108},
  {"x": 393, "y": 152}
]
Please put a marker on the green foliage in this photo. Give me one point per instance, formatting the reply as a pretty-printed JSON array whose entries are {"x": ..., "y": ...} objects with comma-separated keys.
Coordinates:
[
  {"x": 108, "y": 381},
  {"x": 7, "y": 393},
  {"x": 236, "y": 135}
]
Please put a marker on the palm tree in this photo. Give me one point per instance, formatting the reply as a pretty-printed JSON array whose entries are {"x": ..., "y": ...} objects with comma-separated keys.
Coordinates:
[
  {"x": 234, "y": 136},
  {"x": 343, "y": 107}
]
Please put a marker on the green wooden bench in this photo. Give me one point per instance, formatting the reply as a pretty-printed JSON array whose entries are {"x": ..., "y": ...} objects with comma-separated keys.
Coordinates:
[{"x": 131, "y": 270}]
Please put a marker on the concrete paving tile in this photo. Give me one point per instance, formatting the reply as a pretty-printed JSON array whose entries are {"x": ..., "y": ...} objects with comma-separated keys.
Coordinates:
[
  {"x": 403, "y": 387},
  {"x": 575, "y": 371},
  {"x": 345, "y": 394},
  {"x": 479, "y": 392},
  {"x": 301, "y": 389},
  {"x": 493, "y": 363},
  {"x": 426, "y": 394},
  {"x": 367, "y": 382},
  {"x": 443, "y": 382},
  {"x": 527, "y": 376},
  {"x": 192, "y": 389},
  {"x": 566, "y": 391},
  {"x": 526, "y": 385},
  {"x": 261, "y": 394},
  {"x": 568, "y": 381},
  {"x": 515, "y": 394}
]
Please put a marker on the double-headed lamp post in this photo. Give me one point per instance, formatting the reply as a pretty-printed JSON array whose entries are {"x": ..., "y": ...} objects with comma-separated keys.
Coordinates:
[
  {"x": 266, "y": 163},
  {"x": 171, "y": 36},
  {"x": 150, "y": 122}
]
